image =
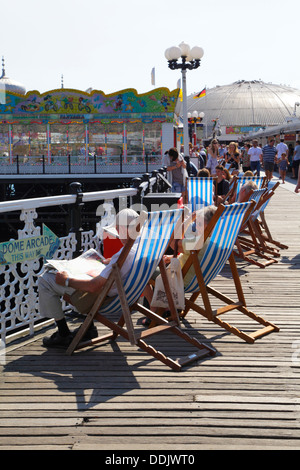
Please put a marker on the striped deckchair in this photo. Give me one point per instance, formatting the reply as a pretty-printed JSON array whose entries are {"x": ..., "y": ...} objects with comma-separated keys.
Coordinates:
[
  {"x": 256, "y": 244},
  {"x": 263, "y": 226},
  {"x": 200, "y": 192},
  {"x": 251, "y": 248},
  {"x": 260, "y": 182},
  {"x": 154, "y": 238},
  {"x": 221, "y": 234}
]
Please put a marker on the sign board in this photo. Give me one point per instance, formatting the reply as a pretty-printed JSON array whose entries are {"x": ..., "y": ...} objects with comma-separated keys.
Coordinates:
[{"x": 27, "y": 249}]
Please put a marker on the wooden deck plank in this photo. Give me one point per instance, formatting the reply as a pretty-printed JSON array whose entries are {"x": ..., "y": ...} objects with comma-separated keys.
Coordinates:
[{"x": 117, "y": 397}]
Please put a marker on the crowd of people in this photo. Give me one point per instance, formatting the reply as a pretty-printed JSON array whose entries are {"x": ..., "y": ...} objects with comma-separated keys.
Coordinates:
[{"x": 232, "y": 159}]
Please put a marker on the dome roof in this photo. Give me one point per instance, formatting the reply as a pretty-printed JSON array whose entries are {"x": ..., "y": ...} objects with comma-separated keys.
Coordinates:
[
  {"x": 247, "y": 103},
  {"x": 9, "y": 84}
]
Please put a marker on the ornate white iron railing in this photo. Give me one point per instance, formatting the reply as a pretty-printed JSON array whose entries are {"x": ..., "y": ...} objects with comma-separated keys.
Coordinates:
[{"x": 18, "y": 279}]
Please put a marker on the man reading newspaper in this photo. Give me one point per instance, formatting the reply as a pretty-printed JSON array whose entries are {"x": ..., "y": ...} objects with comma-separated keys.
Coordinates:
[{"x": 85, "y": 274}]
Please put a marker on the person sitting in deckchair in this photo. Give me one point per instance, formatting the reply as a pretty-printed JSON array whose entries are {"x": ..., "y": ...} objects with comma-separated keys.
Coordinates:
[
  {"x": 52, "y": 286},
  {"x": 244, "y": 192},
  {"x": 193, "y": 240}
]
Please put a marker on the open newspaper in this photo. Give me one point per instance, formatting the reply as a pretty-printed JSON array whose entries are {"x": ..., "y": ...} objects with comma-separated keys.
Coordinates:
[{"x": 85, "y": 266}]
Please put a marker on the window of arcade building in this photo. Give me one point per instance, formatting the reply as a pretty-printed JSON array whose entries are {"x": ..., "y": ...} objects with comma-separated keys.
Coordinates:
[{"x": 80, "y": 138}]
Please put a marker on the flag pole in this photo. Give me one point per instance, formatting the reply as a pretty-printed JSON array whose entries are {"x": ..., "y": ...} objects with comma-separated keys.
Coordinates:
[
  {"x": 153, "y": 76},
  {"x": 205, "y": 114}
]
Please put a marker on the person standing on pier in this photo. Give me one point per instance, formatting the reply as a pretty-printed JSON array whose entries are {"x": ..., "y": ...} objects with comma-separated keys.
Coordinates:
[
  {"x": 255, "y": 153},
  {"x": 269, "y": 153},
  {"x": 177, "y": 166}
]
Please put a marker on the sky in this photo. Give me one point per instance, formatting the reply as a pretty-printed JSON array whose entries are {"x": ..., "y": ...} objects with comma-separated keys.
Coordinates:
[{"x": 112, "y": 45}]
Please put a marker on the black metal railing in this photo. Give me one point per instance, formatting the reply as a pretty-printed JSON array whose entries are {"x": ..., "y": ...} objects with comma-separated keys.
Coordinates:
[{"x": 70, "y": 164}]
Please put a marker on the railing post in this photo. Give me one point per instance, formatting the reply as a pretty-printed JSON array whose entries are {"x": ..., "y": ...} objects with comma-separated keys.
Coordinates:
[
  {"x": 155, "y": 186},
  {"x": 146, "y": 177},
  {"x": 75, "y": 188},
  {"x": 136, "y": 184},
  {"x": 18, "y": 169},
  {"x": 69, "y": 164},
  {"x": 121, "y": 163},
  {"x": 43, "y": 164},
  {"x": 95, "y": 163},
  {"x": 147, "y": 162}
]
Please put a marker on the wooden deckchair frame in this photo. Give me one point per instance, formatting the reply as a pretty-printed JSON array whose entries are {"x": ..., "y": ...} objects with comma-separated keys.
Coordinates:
[
  {"x": 264, "y": 229},
  {"x": 205, "y": 291},
  {"x": 124, "y": 326},
  {"x": 231, "y": 192},
  {"x": 258, "y": 243},
  {"x": 253, "y": 248},
  {"x": 268, "y": 236}
]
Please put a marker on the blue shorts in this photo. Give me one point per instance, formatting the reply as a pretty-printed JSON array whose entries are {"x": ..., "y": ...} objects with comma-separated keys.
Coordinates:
[{"x": 177, "y": 187}]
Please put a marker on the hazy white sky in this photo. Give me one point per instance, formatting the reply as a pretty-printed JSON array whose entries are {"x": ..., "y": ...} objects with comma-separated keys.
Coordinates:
[{"x": 111, "y": 45}]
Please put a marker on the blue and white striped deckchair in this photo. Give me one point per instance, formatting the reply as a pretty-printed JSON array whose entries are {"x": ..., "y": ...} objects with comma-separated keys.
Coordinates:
[
  {"x": 241, "y": 180},
  {"x": 200, "y": 192},
  {"x": 253, "y": 248},
  {"x": 256, "y": 244},
  {"x": 256, "y": 196},
  {"x": 226, "y": 225},
  {"x": 259, "y": 224},
  {"x": 272, "y": 184},
  {"x": 154, "y": 238}
]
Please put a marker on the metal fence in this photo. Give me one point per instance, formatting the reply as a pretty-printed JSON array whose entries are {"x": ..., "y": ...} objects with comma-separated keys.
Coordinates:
[
  {"x": 18, "y": 277},
  {"x": 93, "y": 164}
]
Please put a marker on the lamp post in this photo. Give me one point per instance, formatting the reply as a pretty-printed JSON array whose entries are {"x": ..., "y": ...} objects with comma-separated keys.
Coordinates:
[
  {"x": 195, "y": 117},
  {"x": 190, "y": 60}
]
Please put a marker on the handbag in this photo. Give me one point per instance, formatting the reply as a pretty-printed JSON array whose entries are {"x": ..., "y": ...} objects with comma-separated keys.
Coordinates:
[{"x": 176, "y": 285}]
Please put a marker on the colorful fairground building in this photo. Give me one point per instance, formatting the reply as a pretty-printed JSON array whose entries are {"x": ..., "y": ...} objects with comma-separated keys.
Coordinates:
[{"x": 68, "y": 122}]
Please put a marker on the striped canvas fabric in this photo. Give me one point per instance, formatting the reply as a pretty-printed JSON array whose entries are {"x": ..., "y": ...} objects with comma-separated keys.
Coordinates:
[
  {"x": 200, "y": 192},
  {"x": 221, "y": 243},
  {"x": 271, "y": 184},
  {"x": 258, "y": 180},
  {"x": 262, "y": 207},
  {"x": 152, "y": 244},
  {"x": 256, "y": 195}
]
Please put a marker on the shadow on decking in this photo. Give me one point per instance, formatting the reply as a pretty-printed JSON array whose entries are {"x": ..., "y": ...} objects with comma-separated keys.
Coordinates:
[{"x": 98, "y": 374}]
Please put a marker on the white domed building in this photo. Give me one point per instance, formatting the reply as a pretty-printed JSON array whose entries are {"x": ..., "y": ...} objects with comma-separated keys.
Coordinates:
[
  {"x": 244, "y": 107},
  {"x": 8, "y": 84}
]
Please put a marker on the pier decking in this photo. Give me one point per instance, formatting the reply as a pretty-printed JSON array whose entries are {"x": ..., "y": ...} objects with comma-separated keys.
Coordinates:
[{"x": 116, "y": 397}]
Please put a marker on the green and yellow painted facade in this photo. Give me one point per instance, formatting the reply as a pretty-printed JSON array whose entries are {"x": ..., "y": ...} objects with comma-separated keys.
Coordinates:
[{"x": 73, "y": 122}]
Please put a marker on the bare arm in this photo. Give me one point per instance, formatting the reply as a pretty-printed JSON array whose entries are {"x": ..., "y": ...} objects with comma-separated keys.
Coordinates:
[{"x": 87, "y": 285}]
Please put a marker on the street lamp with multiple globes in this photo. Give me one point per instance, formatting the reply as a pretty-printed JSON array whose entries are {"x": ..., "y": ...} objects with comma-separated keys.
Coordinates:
[
  {"x": 194, "y": 118},
  {"x": 190, "y": 60}
]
